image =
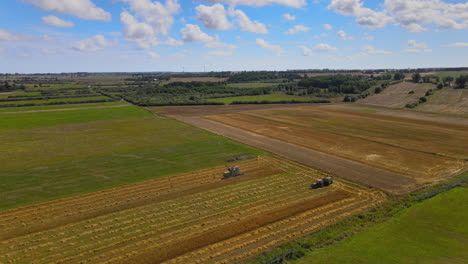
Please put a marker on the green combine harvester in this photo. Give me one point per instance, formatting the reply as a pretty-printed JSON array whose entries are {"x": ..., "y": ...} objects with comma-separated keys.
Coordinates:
[
  {"x": 232, "y": 172},
  {"x": 319, "y": 183}
]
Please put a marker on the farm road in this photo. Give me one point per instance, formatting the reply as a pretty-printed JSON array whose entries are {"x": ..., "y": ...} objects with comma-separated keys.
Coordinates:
[{"x": 387, "y": 181}]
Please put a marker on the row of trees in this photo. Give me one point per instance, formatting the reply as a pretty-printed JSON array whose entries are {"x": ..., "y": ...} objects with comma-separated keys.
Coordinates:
[
  {"x": 460, "y": 82},
  {"x": 339, "y": 84}
]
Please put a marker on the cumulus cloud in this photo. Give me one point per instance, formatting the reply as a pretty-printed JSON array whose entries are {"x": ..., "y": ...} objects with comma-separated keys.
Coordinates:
[
  {"x": 221, "y": 49},
  {"x": 296, "y": 29},
  {"x": 56, "y": 22},
  {"x": 410, "y": 14},
  {"x": 414, "y": 44},
  {"x": 290, "y": 3},
  {"x": 306, "y": 51},
  {"x": 327, "y": 26},
  {"x": 8, "y": 36},
  {"x": 371, "y": 50},
  {"x": 153, "y": 55},
  {"x": 213, "y": 17},
  {"x": 248, "y": 25},
  {"x": 322, "y": 47},
  {"x": 142, "y": 34},
  {"x": 159, "y": 16},
  {"x": 342, "y": 35},
  {"x": 453, "y": 45},
  {"x": 94, "y": 43},
  {"x": 411, "y": 51},
  {"x": 172, "y": 42},
  {"x": 84, "y": 9},
  {"x": 262, "y": 43},
  {"x": 289, "y": 17},
  {"x": 193, "y": 33},
  {"x": 364, "y": 16}
]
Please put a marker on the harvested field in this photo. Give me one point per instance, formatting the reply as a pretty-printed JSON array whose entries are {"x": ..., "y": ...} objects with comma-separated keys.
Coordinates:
[
  {"x": 237, "y": 218},
  {"x": 450, "y": 101},
  {"x": 423, "y": 151},
  {"x": 398, "y": 95}
]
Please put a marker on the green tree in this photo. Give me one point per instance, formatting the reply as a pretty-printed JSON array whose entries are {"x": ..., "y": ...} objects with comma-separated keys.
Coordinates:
[
  {"x": 416, "y": 77},
  {"x": 399, "y": 76}
]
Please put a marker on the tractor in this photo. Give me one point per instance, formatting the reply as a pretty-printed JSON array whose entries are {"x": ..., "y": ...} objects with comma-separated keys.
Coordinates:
[
  {"x": 319, "y": 183},
  {"x": 232, "y": 172}
]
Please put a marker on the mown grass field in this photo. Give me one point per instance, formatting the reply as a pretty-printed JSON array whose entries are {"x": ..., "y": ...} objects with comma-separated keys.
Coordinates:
[
  {"x": 63, "y": 106},
  {"x": 48, "y": 155},
  {"x": 53, "y": 118},
  {"x": 433, "y": 231},
  {"x": 272, "y": 98}
]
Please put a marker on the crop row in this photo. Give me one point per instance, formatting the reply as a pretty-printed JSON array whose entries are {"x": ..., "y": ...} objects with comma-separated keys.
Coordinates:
[{"x": 138, "y": 217}]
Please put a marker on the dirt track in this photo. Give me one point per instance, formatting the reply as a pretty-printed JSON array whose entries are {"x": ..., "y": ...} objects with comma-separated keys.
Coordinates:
[{"x": 387, "y": 181}]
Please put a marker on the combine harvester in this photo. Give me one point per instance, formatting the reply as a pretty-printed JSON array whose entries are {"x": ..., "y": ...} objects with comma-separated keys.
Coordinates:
[
  {"x": 319, "y": 183},
  {"x": 232, "y": 172}
]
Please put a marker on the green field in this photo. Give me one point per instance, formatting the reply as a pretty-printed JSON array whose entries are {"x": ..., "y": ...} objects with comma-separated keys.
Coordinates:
[
  {"x": 433, "y": 231},
  {"x": 36, "y": 119},
  {"x": 62, "y": 106},
  {"x": 454, "y": 74},
  {"x": 251, "y": 85},
  {"x": 64, "y": 153},
  {"x": 65, "y": 100},
  {"x": 271, "y": 97}
]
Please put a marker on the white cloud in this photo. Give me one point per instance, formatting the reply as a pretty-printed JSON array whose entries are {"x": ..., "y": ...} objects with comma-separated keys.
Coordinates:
[
  {"x": 324, "y": 47},
  {"x": 160, "y": 16},
  {"x": 246, "y": 24},
  {"x": 289, "y": 17},
  {"x": 371, "y": 50},
  {"x": 414, "y": 44},
  {"x": 153, "y": 55},
  {"x": 213, "y": 17},
  {"x": 290, "y": 3},
  {"x": 262, "y": 43},
  {"x": 193, "y": 33},
  {"x": 364, "y": 16},
  {"x": 141, "y": 34},
  {"x": 94, "y": 43},
  {"x": 327, "y": 26},
  {"x": 56, "y": 22},
  {"x": 412, "y": 14},
  {"x": 296, "y": 29},
  {"x": 367, "y": 37},
  {"x": 84, "y": 9},
  {"x": 7, "y": 35},
  {"x": 221, "y": 53},
  {"x": 342, "y": 35},
  {"x": 306, "y": 51},
  {"x": 411, "y": 51},
  {"x": 172, "y": 42},
  {"x": 453, "y": 45},
  {"x": 413, "y": 27}
]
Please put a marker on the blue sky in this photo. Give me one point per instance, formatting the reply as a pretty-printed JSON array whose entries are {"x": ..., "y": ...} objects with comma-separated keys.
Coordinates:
[{"x": 169, "y": 35}]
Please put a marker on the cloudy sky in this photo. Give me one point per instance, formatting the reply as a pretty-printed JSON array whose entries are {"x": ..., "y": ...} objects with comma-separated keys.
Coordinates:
[{"x": 171, "y": 35}]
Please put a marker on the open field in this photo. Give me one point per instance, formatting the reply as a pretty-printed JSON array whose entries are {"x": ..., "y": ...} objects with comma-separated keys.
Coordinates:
[
  {"x": 450, "y": 101},
  {"x": 53, "y": 118},
  {"x": 198, "y": 79},
  {"x": 413, "y": 152},
  {"x": 423, "y": 151},
  {"x": 217, "y": 221},
  {"x": 251, "y": 85},
  {"x": 102, "y": 148},
  {"x": 272, "y": 98},
  {"x": 433, "y": 231},
  {"x": 58, "y": 107},
  {"x": 397, "y": 96}
]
